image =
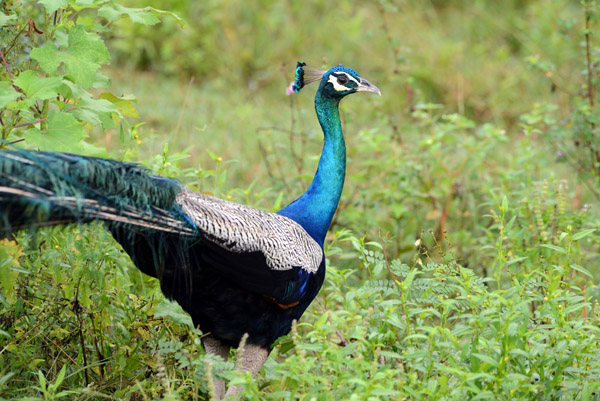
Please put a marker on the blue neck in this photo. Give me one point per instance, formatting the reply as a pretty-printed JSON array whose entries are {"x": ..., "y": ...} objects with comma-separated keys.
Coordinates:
[{"x": 315, "y": 209}]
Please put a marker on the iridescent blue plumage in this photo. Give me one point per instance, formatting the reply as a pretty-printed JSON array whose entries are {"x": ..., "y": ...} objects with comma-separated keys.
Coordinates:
[
  {"x": 299, "y": 82},
  {"x": 315, "y": 209},
  {"x": 237, "y": 271}
]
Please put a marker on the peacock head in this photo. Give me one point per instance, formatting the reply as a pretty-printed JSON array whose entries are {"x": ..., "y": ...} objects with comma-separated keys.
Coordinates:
[{"x": 336, "y": 83}]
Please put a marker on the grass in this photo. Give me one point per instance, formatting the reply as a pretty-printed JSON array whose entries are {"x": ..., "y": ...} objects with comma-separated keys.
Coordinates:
[{"x": 462, "y": 263}]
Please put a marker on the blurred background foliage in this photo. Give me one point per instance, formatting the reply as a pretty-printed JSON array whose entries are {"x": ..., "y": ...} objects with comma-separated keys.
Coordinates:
[{"x": 471, "y": 57}]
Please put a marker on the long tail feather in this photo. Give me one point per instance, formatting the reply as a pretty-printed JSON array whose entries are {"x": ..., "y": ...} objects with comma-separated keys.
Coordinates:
[{"x": 39, "y": 189}]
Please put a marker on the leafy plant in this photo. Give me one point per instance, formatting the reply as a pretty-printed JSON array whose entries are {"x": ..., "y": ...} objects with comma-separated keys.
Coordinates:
[{"x": 53, "y": 92}]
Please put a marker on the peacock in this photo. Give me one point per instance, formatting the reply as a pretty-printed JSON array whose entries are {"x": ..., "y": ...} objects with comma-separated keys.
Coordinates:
[{"x": 242, "y": 274}]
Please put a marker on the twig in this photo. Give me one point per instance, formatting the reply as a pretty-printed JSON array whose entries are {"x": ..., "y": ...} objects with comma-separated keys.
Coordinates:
[
  {"x": 101, "y": 358},
  {"x": 31, "y": 123},
  {"x": 264, "y": 154},
  {"x": 85, "y": 364},
  {"x": 76, "y": 309},
  {"x": 6, "y": 65},
  {"x": 442, "y": 224},
  {"x": 343, "y": 340},
  {"x": 74, "y": 362}
]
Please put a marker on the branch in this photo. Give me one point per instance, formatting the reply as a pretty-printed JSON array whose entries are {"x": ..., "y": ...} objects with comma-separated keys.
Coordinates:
[
  {"x": 6, "y": 65},
  {"x": 31, "y": 123}
]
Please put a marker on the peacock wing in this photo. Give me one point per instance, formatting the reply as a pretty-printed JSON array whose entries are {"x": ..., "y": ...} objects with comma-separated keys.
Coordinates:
[{"x": 260, "y": 251}]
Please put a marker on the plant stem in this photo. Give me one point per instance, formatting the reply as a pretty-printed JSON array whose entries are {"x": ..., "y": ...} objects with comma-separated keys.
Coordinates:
[
  {"x": 45, "y": 109},
  {"x": 6, "y": 66},
  {"x": 31, "y": 123},
  {"x": 590, "y": 88}
]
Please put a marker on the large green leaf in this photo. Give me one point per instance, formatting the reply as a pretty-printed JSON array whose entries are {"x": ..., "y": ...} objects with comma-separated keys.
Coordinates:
[
  {"x": 53, "y": 5},
  {"x": 113, "y": 12},
  {"x": 4, "y": 19},
  {"x": 145, "y": 16},
  {"x": 64, "y": 134},
  {"x": 125, "y": 104},
  {"x": 583, "y": 234},
  {"x": 173, "y": 311},
  {"x": 82, "y": 58},
  {"x": 35, "y": 87},
  {"x": 95, "y": 111},
  {"x": 7, "y": 93}
]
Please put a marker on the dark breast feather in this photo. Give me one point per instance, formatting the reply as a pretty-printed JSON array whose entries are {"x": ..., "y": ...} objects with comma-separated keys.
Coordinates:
[{"x": 227, "y": 294}]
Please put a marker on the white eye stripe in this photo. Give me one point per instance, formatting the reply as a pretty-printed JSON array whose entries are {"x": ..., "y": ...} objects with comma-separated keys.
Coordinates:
[{"x": 337, "y": 86}]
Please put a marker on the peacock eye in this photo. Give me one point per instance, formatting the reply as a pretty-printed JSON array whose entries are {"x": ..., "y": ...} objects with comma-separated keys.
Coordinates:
[{"x": 342, "y": 80}]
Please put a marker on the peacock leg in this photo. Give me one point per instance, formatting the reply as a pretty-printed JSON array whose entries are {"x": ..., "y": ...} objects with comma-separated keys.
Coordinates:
[
  {"x": 214, "y": 347},
  {"x": 250, "y": 358}
]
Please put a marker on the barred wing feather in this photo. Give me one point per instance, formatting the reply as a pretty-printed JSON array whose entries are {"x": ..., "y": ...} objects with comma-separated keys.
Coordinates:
[{"x": 242, "y": 229}]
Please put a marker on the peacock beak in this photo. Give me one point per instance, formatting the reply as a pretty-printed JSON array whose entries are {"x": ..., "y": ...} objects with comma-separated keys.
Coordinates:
[{"x": 366, "y": 86}]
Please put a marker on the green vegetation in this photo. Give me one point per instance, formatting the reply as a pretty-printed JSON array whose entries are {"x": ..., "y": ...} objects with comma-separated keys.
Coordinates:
[{"x": 462, "y": 263}]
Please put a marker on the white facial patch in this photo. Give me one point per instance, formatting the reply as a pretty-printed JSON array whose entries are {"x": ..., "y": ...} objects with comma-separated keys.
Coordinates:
[{"x": 337, "y": 86}]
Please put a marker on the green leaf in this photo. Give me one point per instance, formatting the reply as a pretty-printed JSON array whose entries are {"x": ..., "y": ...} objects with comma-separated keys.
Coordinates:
[
  {"x": 7, "y": 376},
  {"x": 94, "y": 110},
  {"x": 53, "y": 5},
  {"x": 576, "y": 307},
  {"x": 124, "y": 104},
  {"x": 554, "y": 247},
  {"x": 409, "y": 278},
  {"x": 174, "y": 312},
  {"x": 48, "y": 56},
  {"x": 145, "y": 16},
  {"x": 581, "y": 269},
  {"x": 60, "y": 377},
  {"x": 64, "y": 134},
  {"x": 5, "y": 19},
  {"x": 515, "y": 260},
  {"x": 517, "y": 377},
  {"x": 510, "y": 224},
  {"x": 42, "y": 380},
  {"x": 114, "y": 12},
  {"x": 9, "y": 254},
  {"x": 486, "y": 395},
  {"x": 82, "y": 58},
  {"x": 36, "y": 87},
  {"x": 7, "y": 93},
  {"x": 485, "y": 359},
  {"x": 582, "y": 234}
]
